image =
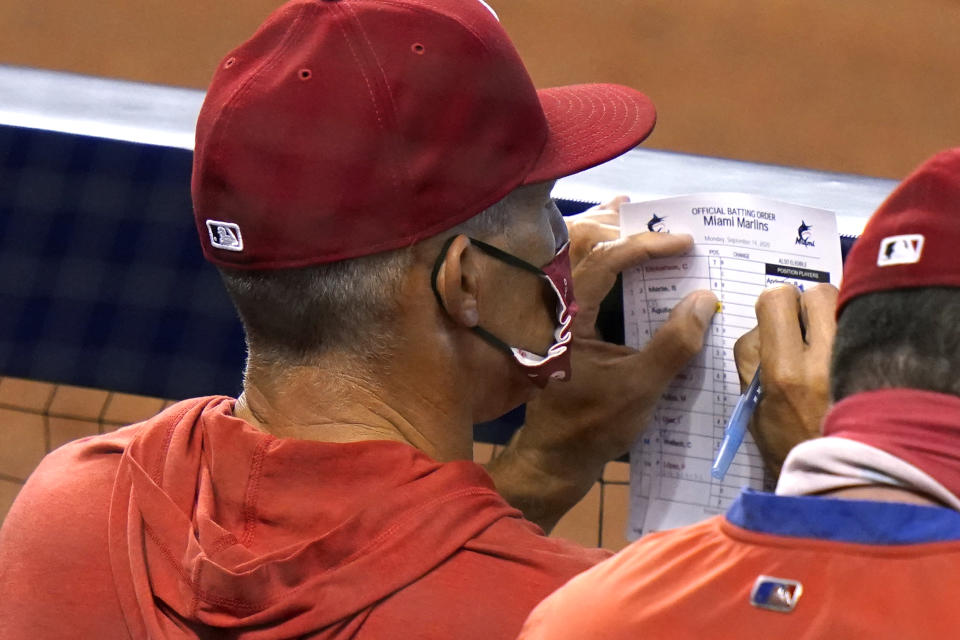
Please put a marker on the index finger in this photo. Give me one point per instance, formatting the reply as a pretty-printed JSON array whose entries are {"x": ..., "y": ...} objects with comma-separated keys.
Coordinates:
[
  {"x": 604, "y": 216},
  {"x": 746, "y": 355},
  {"x": 778, "y": 320},
  {"x": 818, "y": 310},
  {"x": 597, "y": 272},
  {"x": 635, "y": 249},
  {"x": 611, "y": 205},
  {"x": 608, "y": 212}
]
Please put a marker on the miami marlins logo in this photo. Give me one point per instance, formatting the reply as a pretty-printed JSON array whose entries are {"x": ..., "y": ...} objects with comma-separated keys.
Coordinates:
[
  {"x": 803, "y": 235},
  {"x": 656, "y": 224}
]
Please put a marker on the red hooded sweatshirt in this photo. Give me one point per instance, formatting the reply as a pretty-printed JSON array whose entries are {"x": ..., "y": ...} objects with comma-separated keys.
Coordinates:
[{"x": 195, "y": 524}]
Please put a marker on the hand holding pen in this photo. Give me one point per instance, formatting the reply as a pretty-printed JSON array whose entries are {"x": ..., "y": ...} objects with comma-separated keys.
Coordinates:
[{"x": 790, "y": 350}]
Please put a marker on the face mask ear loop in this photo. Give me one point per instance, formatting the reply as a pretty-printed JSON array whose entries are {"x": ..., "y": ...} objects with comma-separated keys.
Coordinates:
[
  {"x": 509, "y": 258},
  {"x": 492, "y": 339}
]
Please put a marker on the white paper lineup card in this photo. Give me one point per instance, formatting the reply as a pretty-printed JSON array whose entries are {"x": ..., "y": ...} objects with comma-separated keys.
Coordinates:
[{"x": 742, "y": 245}]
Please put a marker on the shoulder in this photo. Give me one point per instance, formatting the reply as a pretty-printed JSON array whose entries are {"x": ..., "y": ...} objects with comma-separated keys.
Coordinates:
[
  {"x": 487, "y": 588},
  {"x": 69, "y": 481},
  {"x": 53, "y": 545},
  {"x": 68, "y": 493},
  {"x": 600, "y": 601},
  {"x": 54, "y": 541},
  {"x": 517, "y": 538},
  {"x": 71, "y": 487},
  {"x": 517, "y": 552}
]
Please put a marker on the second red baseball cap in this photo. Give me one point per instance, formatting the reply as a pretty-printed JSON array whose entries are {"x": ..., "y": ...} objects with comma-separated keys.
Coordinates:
[
  {"x": 913, "y": 238},
  {"x": 343, "y": 128}
]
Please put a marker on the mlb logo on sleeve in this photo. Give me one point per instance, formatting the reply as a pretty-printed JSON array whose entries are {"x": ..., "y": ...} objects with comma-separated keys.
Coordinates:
[
  {"x": 904, "y": 249},
  {"x": 225, "y": 235}
]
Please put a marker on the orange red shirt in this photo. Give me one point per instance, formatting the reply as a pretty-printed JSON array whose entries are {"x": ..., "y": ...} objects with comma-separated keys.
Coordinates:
[
  {"x": 195, "y": 524},
  {"x": 773, "y": 567}
]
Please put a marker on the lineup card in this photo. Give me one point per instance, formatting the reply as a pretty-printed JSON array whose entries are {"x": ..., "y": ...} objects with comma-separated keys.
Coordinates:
[{"x": 742, "y": 245}]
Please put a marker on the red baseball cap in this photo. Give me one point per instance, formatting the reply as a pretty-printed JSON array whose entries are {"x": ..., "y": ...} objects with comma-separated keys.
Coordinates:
[
  {"x": 343, "y": 128},
  {"x": 913, "y": 239}
]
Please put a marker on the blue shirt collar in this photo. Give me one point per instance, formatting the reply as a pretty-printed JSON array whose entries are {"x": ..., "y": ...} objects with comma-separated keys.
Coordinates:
[{"x": 856, "y": 521}]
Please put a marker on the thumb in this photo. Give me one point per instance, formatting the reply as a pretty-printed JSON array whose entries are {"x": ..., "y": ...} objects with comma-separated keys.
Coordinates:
[{"x": 681, "y": 337}]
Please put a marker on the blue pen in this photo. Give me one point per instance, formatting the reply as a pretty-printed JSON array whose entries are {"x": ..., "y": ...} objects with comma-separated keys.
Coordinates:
[{"x": 736, "y": 427}]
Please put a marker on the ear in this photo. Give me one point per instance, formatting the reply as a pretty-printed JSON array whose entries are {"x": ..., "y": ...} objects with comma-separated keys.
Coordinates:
[{"x": 457, "y": 282}]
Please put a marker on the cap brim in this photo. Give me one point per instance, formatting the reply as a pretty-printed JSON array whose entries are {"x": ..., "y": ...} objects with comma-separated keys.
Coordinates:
[{"x": 590, "y": 124}]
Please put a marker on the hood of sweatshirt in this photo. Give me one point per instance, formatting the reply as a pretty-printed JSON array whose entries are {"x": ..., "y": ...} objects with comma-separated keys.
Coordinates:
[{"x": 214, "y": 524}]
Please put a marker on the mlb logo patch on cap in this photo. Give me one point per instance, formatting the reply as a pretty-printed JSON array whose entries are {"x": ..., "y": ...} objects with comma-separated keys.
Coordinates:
[
  {"x": 225, "y": 235},
  {"x": 776, "y": 594},
  {"x": 904, "y": 249}
]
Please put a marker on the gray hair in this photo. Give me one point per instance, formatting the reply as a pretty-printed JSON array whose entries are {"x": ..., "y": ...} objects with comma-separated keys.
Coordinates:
[
  {"x": 291, "y": 316},
  {"x": 900, "y": 338}
]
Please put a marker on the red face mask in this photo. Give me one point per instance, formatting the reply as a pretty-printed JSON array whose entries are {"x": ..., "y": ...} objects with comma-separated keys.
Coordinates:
[{"x": 555, "y": 364}]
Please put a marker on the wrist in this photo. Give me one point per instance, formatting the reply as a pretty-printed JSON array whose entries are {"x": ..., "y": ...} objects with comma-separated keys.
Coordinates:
[{"x": 543, "y": 484}]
